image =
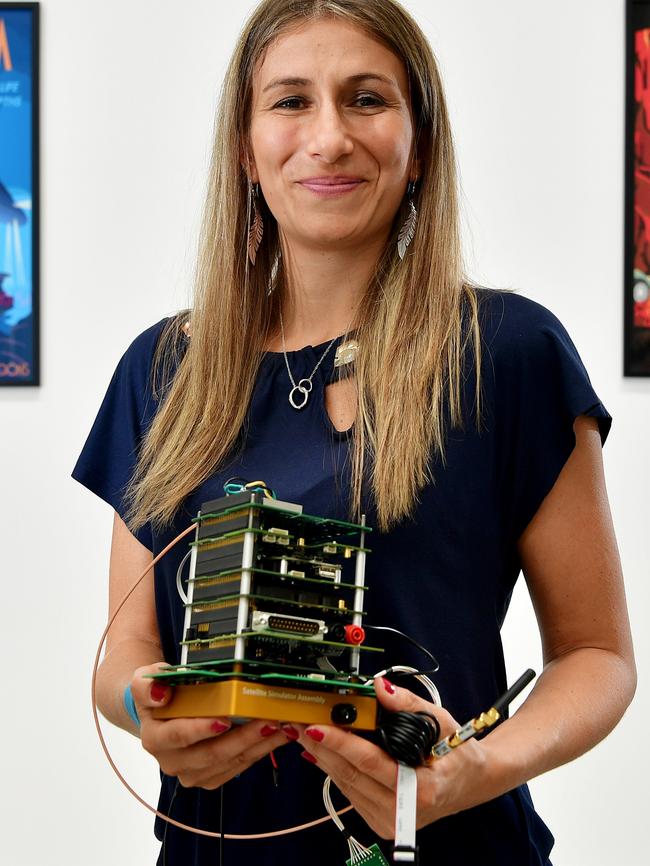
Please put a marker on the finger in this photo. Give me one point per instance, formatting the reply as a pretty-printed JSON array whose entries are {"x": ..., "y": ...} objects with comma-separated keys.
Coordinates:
[
  {"x": 247, "y": 743},
  {"x": 210, "y": 764},
  {"x": 372, "y": 800},
  {"x": 377, "y": 812},
  {"x": 396, "y": 699},
  {"x": 167, "y": 735},
  {"x": 350, "y": 757}
]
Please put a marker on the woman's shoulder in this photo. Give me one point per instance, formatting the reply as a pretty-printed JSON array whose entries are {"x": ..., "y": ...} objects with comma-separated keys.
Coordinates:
[
  {"x": 514, "y": 326},
  {"x": 532, "y": 362},
  {"x": 168, "y": 334},
  {"x": 143, "y": 346},
  {"x": 507, "y": 315}
]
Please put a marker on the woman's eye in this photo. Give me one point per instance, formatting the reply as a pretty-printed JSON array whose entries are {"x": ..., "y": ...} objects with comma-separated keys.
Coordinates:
[
  {"x": 375, "y": 100},
  {"x": 362, "y": 100},
  {"x": 284, "y": 103}
]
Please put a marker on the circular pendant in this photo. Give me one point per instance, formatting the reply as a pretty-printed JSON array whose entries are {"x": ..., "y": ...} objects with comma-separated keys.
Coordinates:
[{"x": 302, "y": 390}]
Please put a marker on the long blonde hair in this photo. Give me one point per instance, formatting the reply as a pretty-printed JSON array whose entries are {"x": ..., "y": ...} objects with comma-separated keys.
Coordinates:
[{"x": 418, "y": 315}]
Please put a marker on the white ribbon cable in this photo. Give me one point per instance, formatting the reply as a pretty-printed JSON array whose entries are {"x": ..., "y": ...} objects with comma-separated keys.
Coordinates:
[{"x": 405, "y": 812}]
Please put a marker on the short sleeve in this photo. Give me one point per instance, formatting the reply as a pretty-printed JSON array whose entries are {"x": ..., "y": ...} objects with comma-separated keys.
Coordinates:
[
  {"x": 541, "y": 387},
  {"x": 109, "y": 456}
]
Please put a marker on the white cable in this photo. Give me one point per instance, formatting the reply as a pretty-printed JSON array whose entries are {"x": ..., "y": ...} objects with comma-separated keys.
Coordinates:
[
  {"x": 358, "y": 853},
  {"x": 422, "y": 678},
  {"x": 179, "y": 579},
  {"x": 406, "y": 798}
]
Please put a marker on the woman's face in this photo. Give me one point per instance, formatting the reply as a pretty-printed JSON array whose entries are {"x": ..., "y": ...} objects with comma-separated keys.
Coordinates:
[{"x": 331, "y": 104}]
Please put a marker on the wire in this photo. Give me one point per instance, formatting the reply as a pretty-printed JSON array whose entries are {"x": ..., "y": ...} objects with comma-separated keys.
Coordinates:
[
  {"x": 411, "y": 640},
  {"x": 179, "y": 580},
  {"x": 357, "y": 851},
  {"x": 221, "y": 825},
  {"x": 109, "y": 757},
  {"x": 408, "y": 737},
  {"x": 261, "y": 485},
  {"x": 421, "y": 677},
  {"x": 164, "y": 841},
  {"x": 237, "y": 484},
  {"x": 230, "y": 488}
]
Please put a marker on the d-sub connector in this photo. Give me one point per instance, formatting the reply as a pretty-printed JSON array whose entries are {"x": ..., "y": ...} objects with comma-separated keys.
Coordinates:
[{"x": 284, "y": 624}]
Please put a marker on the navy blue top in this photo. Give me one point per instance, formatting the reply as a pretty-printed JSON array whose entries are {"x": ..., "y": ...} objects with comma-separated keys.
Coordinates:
[{"x": 445, "y": 577}]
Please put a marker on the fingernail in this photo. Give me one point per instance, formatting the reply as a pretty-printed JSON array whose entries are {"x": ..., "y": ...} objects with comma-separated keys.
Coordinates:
[
  {"x": 267, "y": 730},
  {"x": 308, "y": 757},
  {"x": 219, "y": 727},
  {"x": 390, "y": 688},
  {"x": 158, "y": 691},
  {"x": 315, "y": 734},
  {"x": 291, "y": 732}
]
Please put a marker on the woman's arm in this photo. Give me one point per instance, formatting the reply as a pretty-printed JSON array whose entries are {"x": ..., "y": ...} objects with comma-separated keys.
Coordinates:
[
  {"x": 201, "y": 752},
  {"x": 133, "y": 640},
  {"x": 573, "y": 570},
  {"x": 571, "y": 563}
]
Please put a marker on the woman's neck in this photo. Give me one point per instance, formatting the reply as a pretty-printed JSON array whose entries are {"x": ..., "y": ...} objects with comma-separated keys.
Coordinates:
[{"x": 324, "y": 291}]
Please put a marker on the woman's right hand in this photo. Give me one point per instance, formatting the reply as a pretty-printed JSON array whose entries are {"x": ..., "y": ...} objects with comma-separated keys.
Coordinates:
[{"x": 202, "y": 752}]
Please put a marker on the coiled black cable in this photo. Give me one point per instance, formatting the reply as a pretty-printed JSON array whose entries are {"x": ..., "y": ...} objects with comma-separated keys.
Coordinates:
[{"x": 408, "y": 737}]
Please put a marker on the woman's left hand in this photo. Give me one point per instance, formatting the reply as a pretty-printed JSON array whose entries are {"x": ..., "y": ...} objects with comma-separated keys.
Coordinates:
[{"x": 367, "y": 776}]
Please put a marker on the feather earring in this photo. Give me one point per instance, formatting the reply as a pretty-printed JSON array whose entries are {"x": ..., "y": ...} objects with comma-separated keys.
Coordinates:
[
  {"x": 256, "y": 229},
  {"x": 408, "y": 228}
]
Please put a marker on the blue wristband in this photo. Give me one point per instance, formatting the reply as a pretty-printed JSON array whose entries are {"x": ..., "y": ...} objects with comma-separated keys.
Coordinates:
[{"x": 129, "y": 705}]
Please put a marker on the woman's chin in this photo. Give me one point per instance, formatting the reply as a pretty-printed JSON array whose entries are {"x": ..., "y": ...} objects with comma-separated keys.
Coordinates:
[{"x": 326, "y": 239}]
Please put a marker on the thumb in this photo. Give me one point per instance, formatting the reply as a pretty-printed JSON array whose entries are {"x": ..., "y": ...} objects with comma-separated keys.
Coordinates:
[
  {"x": 396, "y": 699},
  {"x": 149, "y": 693}
]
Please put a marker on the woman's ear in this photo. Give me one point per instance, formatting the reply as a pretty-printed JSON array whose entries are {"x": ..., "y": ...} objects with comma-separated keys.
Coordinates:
[
  {"x": 420, "y": 153},
  {"x": 248, "y": 164}
]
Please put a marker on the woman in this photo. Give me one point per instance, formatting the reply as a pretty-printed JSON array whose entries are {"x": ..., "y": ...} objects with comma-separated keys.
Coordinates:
[{"x": 466, "y": 429}]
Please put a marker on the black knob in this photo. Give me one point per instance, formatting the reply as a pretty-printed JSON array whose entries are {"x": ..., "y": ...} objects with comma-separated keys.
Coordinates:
[{"x": 344, "y": 714}]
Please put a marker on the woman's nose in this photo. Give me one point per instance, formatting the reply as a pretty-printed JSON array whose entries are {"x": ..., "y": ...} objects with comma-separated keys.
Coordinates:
[{"x": 329, "y": 136}]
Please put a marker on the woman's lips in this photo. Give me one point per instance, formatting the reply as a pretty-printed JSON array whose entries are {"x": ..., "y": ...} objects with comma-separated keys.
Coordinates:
[{"x": 323, "y": 188}]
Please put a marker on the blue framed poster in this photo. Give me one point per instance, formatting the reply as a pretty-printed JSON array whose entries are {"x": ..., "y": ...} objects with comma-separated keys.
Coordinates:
[{"x": 19, "y": 194}]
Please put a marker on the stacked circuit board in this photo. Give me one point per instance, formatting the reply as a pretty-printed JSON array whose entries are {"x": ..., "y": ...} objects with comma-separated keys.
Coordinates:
[{"x": 267, "y": 603}]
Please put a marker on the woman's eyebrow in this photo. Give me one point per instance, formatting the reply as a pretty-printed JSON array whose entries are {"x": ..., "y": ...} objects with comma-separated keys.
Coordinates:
[{"x": 303, "y": 82}]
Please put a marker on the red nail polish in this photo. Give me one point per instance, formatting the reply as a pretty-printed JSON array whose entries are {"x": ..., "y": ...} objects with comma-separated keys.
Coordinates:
[
  {"x": 390, "y": 688},
  {"x": 158, "y": 692},
  {"x": 219, "y": 727},
  {"x": 291, "y": 732},
  {"x": 315, "y": 734},
  {"x": 308, "y": 757},
  {"x": 267, "y": 730}
]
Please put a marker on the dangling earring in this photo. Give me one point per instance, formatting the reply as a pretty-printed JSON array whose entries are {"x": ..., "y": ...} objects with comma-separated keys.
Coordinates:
[
  {"x": 408, "y": 229},
  {"x": 256, "y": 229}
]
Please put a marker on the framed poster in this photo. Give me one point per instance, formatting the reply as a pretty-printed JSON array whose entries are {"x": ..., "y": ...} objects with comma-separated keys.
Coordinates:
[
  {"x": 637, "y": 191},
  {"x": 19, "y": 194}
]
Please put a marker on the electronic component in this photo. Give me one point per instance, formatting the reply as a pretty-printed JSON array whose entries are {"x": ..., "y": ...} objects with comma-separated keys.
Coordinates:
[
  {"x": 371, "y": 857},
  {"x": 267, "y": 615},
  {"x": 485, "y": 720},
  {"x": 273, "y": 617},
  {"x": 274, "y": 623}
]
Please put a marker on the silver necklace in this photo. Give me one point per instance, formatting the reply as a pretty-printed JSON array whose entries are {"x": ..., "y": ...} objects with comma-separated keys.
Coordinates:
[{"x": 299, "y": 393}]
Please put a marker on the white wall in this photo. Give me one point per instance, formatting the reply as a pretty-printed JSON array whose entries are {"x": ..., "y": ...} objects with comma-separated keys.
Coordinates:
[{"x": 128, "y": 94}]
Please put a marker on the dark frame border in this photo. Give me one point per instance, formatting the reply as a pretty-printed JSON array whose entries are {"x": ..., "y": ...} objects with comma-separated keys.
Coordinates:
[
  {"x": 637, "y": 15},
  {"x": 35, "y": 378}
]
